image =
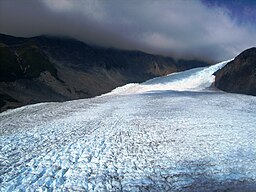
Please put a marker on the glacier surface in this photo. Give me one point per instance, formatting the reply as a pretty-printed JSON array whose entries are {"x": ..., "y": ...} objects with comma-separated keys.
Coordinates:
[{"x": 172, "y": 133}]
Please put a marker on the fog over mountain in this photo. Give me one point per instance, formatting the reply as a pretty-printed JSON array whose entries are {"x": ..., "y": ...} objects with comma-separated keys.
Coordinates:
[{"x": 195, "y": 29}]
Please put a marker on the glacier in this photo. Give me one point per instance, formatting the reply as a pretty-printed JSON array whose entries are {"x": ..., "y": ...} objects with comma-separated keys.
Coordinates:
[{"x": 172, "y": 133}]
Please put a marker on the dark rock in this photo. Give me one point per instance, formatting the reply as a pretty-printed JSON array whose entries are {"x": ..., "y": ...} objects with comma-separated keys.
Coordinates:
[
  {"x": 239, "y": 75},
  {"x": 47, "y": 68}
]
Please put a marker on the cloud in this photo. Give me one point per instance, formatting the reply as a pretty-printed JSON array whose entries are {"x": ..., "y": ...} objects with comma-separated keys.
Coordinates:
[{"x": 179, "y": 27}]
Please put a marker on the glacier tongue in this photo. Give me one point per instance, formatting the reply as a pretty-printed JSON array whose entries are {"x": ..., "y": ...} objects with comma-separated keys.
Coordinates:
[
  {"x": 155, "y": 141},
  {"x": 197, "y": 79}
]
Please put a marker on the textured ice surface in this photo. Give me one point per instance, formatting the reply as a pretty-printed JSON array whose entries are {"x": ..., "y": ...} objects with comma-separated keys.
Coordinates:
[
  {"x": 152, "y": 140},
  {"x": 196, "y": 79}
]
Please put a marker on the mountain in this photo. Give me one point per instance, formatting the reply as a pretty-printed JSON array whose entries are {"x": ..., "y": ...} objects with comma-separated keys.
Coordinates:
[
  {"x": 239, "y": 75},
  {"x": 174, "y": 133},
  {"x": 46, "y": 68}
]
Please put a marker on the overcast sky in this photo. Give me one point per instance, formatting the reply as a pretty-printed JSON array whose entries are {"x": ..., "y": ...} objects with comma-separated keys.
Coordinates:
[{"x": 209, "y": 29}]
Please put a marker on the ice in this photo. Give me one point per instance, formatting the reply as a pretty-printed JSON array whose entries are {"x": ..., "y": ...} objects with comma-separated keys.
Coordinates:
[
  {"x": 196, "y": 79},
  {"x": 174, "y": 135}
]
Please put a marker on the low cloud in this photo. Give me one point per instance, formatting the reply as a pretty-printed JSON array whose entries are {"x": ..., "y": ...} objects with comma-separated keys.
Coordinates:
[{"x": 179, "y": 27}]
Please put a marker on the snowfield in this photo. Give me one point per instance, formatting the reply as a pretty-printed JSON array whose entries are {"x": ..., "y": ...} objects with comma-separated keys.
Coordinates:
[{"x": 172, "y": 133}]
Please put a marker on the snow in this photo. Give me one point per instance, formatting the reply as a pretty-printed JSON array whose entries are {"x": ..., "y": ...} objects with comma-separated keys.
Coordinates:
[
  {"x": 196, "y": 79},
  {"x": 172, "y": 133}
]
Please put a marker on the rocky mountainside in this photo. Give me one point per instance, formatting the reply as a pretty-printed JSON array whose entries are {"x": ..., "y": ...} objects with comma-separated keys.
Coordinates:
[
  {"x": 46, "y": 68},
  {"x": 239, "y": 75}
]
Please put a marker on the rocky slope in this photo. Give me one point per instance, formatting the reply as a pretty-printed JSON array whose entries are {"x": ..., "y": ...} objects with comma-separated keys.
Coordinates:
[
  {"x": 239, "y": 75},
  {"x": 48, "y": 68}
]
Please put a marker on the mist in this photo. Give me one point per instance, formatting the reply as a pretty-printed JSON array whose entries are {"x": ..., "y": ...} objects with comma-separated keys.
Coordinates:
[{"x": 180, "y": 28}]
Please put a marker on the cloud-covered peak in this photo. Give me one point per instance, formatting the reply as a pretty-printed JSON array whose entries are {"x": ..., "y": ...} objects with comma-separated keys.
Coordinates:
[{"x": 185, "y": 28}]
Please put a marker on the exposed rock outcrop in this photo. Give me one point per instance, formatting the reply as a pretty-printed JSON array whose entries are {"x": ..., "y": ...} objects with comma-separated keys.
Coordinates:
[{"x": 239, "y": 75}]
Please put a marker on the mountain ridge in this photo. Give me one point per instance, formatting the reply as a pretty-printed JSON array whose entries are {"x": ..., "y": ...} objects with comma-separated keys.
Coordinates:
[{"x": 47, "y": 68}]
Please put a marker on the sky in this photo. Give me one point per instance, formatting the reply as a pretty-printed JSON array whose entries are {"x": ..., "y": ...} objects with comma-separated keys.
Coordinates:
[{"x": 212, "y": 30}]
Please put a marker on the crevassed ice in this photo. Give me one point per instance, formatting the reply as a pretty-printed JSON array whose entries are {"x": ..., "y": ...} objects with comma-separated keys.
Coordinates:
[
  {"x": 158, "y": 141},
  {"x": 191, "y": 80}
]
